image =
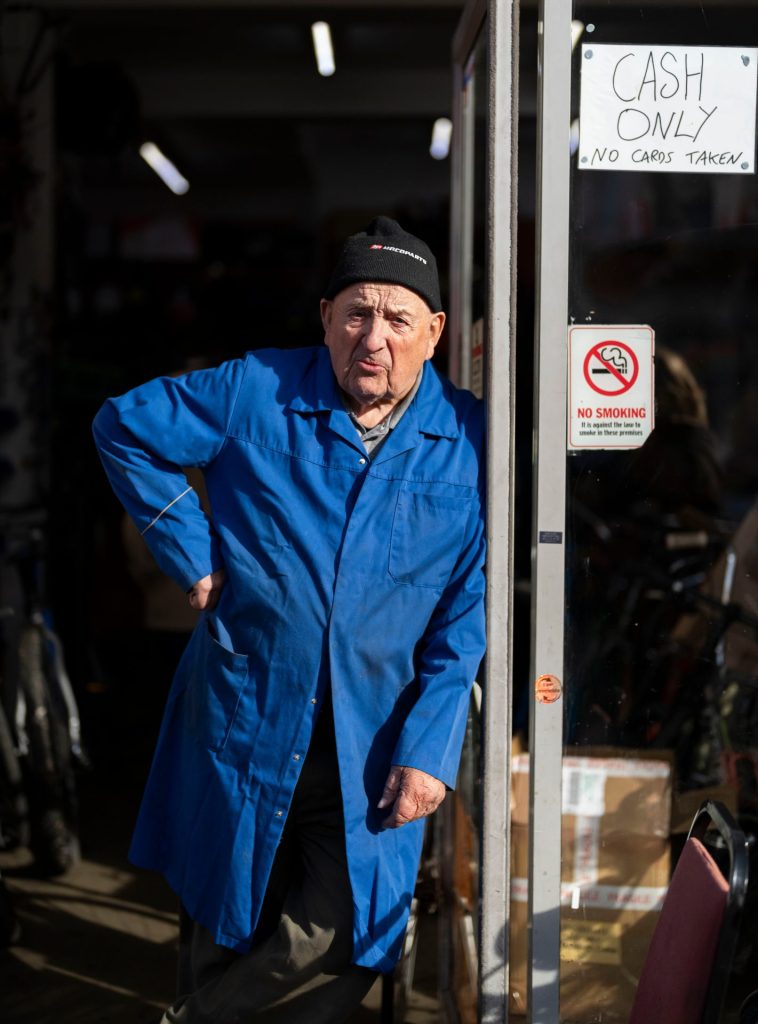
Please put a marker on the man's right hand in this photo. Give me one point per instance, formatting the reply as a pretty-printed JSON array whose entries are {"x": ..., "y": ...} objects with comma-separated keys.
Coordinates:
[{"x": 205, "y": 593}]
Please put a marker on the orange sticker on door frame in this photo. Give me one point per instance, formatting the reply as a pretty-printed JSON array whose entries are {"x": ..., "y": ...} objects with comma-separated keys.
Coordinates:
[{"x": 547, "y": 689}]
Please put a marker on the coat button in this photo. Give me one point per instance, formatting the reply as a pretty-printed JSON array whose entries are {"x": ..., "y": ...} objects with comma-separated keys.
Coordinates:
[
  {"x": 295, "y": 757},
  {"x": 362, "y": 462},
  {"x": 279, "y": 814},
  {"x": 314, "y": 700}
]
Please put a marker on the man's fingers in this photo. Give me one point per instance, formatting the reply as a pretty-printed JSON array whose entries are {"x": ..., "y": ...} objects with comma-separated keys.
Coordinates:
[
  {"x": 204, "y": 595},
  {"x": 390, "y": 788},
  {"x": 405, "y": 810},
  {"x": 203, "y": 600},
  {"x": 416, "y": 794}
]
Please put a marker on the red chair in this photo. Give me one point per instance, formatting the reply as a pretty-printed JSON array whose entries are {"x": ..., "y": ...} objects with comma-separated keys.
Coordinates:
[{"x": 686, "y": 970}]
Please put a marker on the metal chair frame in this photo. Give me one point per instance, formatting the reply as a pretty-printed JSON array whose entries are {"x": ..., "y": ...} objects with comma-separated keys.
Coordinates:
[{"x": 714, "y": 813}]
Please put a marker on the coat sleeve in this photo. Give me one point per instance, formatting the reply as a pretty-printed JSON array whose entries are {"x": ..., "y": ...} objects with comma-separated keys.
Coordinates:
[
  {"x": 145, "y": 437},
  {"x": 448, "y": 658}
]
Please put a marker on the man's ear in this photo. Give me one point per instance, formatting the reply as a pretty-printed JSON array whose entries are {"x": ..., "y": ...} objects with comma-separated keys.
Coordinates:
[
  {"x": 326, "y": 313},
  {"x": 436, "y": 324}
]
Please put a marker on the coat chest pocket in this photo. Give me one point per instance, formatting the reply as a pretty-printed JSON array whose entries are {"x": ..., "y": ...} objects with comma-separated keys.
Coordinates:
[
  {"x": 218, "y": 679},
  {"x": 428, "y": 532}
]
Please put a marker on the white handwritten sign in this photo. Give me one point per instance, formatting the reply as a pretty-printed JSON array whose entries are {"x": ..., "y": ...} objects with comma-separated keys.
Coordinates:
[{"x": 668, "y": 108}]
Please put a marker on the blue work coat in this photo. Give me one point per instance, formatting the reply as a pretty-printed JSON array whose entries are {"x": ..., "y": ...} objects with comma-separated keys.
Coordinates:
[{"x": 363, "y": 576}]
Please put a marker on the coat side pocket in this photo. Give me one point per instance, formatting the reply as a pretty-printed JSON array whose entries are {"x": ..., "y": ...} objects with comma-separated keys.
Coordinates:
[{"x": 217, "y": 680}]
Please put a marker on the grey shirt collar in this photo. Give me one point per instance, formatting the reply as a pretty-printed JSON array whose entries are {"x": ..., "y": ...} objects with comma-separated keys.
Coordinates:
[{"x": 372, "y": 437}]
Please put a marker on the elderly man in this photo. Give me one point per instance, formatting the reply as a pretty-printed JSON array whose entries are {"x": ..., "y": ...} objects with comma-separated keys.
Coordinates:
[{"x": 318, "y": 712}]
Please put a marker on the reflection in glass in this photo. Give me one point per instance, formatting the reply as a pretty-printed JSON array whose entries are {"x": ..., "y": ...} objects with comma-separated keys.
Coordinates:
[{"x": 662, "y": 607}]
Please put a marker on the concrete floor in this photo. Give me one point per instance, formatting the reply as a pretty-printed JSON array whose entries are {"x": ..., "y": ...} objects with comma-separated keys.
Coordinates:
[{"x": 99, "y": 944}]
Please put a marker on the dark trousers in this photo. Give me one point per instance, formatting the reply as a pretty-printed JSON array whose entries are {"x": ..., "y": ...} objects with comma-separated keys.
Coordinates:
[{"x": 299, "y": 968}]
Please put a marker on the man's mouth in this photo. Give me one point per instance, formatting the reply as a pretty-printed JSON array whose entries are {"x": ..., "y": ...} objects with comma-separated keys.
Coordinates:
[{"x": 367, "y": 366}]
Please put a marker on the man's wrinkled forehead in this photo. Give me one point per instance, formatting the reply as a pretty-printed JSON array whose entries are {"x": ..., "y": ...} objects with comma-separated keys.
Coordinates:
[{"x": 384, "y": 297}]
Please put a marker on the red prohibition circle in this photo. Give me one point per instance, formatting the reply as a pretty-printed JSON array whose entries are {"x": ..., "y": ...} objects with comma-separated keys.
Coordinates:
[{"x": 625, "y": 384}]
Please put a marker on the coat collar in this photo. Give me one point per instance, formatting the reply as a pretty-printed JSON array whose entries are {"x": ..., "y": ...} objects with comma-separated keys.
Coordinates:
[{"x": 431, "y": 411}]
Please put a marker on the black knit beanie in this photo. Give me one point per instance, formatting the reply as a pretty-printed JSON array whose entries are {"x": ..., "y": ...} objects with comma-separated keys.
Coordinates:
[{"x": 384, "y": 252}]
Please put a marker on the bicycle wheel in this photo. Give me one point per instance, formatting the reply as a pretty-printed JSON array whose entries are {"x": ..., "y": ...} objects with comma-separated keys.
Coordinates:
[
  {"x": 48, "y": 769},
  {"x": 10, "y": 932},
  {"x": 14, "y": 808}
]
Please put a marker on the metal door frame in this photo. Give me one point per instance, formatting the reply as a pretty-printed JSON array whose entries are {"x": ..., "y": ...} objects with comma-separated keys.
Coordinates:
[
  {"x": 548, "y": 531},
  {"x": 501, "y": 17},
  {"x": 549, "y": 460}
]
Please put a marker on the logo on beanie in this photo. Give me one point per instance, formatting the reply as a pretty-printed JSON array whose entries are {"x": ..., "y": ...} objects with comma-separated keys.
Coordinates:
[{"x": 403, "y": 252}]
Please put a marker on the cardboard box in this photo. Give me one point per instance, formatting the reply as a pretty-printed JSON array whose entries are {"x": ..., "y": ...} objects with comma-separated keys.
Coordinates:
[{"x": 615, "y": 872}]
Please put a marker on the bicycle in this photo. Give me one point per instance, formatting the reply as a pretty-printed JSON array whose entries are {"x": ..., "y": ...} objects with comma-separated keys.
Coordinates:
[{"x": 41, "y": 715}]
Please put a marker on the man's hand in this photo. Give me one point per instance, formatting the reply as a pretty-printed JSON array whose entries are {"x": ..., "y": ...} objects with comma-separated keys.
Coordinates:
[
  {"x": 205, "y": 593},
  {"x": 411, "y": 794}
]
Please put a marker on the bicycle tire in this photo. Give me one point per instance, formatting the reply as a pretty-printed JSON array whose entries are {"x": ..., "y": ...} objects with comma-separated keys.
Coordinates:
[
  {"x": 49, "y": 769},
  {"x": 10, "y": 930},
  {"x": 14, "y": 807}
]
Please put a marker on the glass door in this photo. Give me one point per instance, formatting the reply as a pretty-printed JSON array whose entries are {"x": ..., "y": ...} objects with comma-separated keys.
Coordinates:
[{"x": 645, "y": 641}]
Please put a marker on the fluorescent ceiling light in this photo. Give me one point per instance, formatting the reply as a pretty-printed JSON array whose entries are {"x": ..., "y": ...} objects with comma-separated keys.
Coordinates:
[
  {"x": 577, "y": 27},
  {"x": 163, "y": 167},
  {"x": 322, "y": 44},
  {"x": 441, "y": 132}
]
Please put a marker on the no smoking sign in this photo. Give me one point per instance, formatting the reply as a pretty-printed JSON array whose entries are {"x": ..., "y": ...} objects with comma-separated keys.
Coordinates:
[
  {"x": 615, "y": 359},
  {"x": 611, "y": 382}
]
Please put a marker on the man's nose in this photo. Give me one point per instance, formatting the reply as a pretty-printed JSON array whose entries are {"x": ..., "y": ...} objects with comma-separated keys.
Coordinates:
[{"x": 374, "y": 334}]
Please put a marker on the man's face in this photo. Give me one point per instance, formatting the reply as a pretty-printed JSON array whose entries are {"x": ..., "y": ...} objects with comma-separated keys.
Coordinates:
[{"x": 379, "y": 336}]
